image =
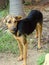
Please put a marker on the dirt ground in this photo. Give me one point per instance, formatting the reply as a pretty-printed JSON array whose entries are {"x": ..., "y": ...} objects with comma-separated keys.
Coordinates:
[
  {"x": 33, "y": 54},
  {"x": 11, "y": 59}
]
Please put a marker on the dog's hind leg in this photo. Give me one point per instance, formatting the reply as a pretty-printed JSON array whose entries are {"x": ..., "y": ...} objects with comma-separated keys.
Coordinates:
[
  {"x": 39, "y": 27},
  {"x": 36, "y": 35}
]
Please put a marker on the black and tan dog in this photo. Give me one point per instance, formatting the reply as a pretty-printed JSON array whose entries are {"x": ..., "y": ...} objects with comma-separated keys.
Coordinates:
[{"x": 20, "y": 28}]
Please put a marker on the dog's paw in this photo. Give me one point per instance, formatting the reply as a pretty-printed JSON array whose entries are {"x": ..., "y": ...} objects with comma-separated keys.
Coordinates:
[
  {"x": 39, "y": 48},
  {"x": 20, "y": 58},
  {"x": 24, "y": 64},
  {"x": 36, "y": 36}
]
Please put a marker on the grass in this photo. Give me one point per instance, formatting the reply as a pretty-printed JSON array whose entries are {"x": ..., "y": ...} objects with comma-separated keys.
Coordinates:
[
  {"x": 41, "y": 59},
  {"x": 8, "y": 43},
  {"x": 27, "y": 3},
  {"x": 4, "y": 12}
]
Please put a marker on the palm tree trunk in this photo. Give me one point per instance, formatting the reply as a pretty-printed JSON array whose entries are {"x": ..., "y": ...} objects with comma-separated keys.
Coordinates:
[{"x": 16, "y": 8}]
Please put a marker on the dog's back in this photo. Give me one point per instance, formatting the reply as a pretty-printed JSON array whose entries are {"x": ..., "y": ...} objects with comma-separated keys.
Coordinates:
[
  {"x": 28, "y": 25},
  {"x": 35, "y": 15}
]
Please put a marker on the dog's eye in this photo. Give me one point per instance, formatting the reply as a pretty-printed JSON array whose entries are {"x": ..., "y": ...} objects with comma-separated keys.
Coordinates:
[
  {"x": 9, "y": 21},
  {"x": 14, "y": 21}
]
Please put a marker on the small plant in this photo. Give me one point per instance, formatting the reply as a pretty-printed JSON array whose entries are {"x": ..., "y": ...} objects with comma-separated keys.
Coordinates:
[
  {"x": 4, "y": 12},
  {"x": 41, "y": 59},
  {"x": 8, "y": 43},
  {"x": 27, "y": 3}
]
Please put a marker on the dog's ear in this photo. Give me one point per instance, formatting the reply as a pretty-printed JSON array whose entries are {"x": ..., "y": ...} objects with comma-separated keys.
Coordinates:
[{"x": 18, "y": 18}]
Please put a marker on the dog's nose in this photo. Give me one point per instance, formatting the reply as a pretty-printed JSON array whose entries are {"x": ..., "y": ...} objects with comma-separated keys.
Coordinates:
[{"x": 14, "y": 29}]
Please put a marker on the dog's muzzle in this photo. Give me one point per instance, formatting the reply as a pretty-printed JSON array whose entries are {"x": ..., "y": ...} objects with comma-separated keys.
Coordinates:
[{"x": 13, "y": 31}]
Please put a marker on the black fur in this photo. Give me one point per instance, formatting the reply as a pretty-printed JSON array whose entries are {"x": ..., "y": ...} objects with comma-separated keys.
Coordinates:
[{"x": 28, "y": 25}]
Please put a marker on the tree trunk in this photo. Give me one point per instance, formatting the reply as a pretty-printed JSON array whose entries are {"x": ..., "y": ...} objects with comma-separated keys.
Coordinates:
[{"x": 16, "y": 8}]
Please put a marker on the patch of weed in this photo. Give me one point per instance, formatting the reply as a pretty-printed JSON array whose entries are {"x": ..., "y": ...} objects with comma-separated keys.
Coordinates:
[
  {"x": 8, "y": 43},
  {"x": 41, "y": 59}
]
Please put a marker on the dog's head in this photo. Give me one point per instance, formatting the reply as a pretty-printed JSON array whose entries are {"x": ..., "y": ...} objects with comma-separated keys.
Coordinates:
[{"x": 11, "y": 22}]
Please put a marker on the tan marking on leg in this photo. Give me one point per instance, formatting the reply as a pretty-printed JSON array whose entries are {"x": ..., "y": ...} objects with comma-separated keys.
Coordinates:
[
  {"x": 24, "y": 44},
  {"x": 39, "y": 26},
  {"x": 20, "y": 48},
  {"x": 36, "y": 36},
  {"x": 21, "y": 51},
  {"x": 25, "y": 54}
]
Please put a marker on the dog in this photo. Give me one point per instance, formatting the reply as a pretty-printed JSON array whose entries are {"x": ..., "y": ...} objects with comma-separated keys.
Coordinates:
[{"x": 20, "y": 28}]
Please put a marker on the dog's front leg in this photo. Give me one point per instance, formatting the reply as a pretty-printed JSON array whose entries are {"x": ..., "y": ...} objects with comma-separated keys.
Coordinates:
[
  {"x": 25, "y": 44},
  {"x": 20, "y": 48},
  {"x": 25, "y": 54},
  {"x": 23, "y": 41}
]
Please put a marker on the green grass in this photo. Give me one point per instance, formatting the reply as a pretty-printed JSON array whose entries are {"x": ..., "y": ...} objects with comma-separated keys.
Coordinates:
[
  {"x": 8, "y": 43},
  {"x": 41, "y": 59},
  {"x": 4, "y": 12},
  {"x": 27, "y": 3}
]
